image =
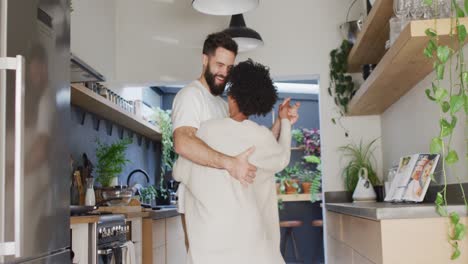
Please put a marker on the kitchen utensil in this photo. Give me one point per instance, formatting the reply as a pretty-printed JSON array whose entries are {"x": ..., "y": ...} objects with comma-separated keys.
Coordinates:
[
  {"x": 79, "y": 184},
  {"x": 81, "y": 209},
  {"x": 116, "y": 195},
  {"x": 90, "y": 199},
  {"x": 349, "y": 30},
  {"x": 364, "y": 191}
]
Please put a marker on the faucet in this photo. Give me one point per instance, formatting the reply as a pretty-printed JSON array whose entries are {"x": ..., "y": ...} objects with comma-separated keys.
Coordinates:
[{"x": 133, "y": 172}]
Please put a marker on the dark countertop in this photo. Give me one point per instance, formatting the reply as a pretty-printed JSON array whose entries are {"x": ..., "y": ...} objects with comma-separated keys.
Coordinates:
[
  {"x": 385, "y": 211},
  {"x": 163, "y": 213}
]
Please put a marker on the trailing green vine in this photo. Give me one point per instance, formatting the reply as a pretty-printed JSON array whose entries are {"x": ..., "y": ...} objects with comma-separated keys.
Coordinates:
[
  {"x": 342, "y": 87},
  {"x": 451, "y": 101}
]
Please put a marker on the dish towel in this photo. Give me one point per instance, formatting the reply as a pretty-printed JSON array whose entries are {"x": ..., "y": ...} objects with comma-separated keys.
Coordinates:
[{"x": 128, "y": 254}]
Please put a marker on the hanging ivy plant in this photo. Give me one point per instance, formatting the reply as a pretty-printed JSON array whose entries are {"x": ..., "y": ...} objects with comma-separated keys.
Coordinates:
[
  {"x": 451, "y": 101},
  {"x": 342, "y": 87}
]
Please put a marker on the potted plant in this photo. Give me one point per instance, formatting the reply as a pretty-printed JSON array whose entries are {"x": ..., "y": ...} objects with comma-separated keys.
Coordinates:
[
  {"x": 359, "y": 156},
  {"x": 110, "y": 161},
  {"x": 316, "y": 177},
  {"x": 297, "y": 136},
  {"x": 148, "y": 194},
  {"x": 168, "y": 155},
  {"x": 288, "y": 181}
]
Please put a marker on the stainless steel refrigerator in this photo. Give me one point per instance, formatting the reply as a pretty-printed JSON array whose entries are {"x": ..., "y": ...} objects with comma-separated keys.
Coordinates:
[{"x": 34, "y": 117}]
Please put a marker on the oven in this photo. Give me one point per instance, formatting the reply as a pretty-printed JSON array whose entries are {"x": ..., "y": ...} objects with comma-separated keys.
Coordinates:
[{"x": 111, "y": 237}]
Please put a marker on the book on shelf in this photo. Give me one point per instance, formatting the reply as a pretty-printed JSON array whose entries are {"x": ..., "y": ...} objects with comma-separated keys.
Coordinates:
[{"x": 412, "y": 178}]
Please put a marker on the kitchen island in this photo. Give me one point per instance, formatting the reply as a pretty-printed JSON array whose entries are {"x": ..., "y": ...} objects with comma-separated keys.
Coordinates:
[{"x": 381, "y": 233}]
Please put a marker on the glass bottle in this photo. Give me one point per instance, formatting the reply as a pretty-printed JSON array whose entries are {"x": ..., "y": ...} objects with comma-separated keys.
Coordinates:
[{"x": 90, "y": 199}]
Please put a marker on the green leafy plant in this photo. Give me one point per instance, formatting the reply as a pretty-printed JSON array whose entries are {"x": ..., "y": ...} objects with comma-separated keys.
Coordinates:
[
  {"x": 148, "y": 194},
  {"x": 360, "y": 156},
  {"x": 111, "y": 160},
  {"x": 341, "y": 87},
  {"x": 297, "y": 136},
  {"x": 168, "y": 155},
  {"x": 315, "y": 177},
  {"x": 285, "y": 178},
  {"x": 451, "y": 101},
  {"x": 280, "y": 204}
]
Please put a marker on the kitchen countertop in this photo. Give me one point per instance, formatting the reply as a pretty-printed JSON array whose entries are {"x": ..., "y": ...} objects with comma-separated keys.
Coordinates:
[
  {"x": 385, "y": 211},
  {"x": 161, "y": 214},
  {"x": 86, "y": 219}
]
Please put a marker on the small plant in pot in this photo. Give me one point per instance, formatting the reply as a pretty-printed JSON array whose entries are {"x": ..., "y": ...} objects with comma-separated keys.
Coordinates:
[
  {"x": 288, "y": 181},
  {"x": 148, "y": 195},
  {"x": 111, "y": 160},
  {"x": 359, "y": 156}
]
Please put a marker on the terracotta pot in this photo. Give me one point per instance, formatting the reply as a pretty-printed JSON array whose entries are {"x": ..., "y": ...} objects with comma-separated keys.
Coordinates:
[
  {"x": 289, "y": 186},
  {"x": 306, "y": 187}
]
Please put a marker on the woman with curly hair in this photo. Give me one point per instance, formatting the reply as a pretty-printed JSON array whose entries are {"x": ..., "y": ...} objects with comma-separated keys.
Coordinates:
[{"x": 228, "y": 222}]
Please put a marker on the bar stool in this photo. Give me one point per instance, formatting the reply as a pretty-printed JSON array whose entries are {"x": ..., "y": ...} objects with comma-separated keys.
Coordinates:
[
  {"x": 289, "y": 234},
  {"x": 318, "y": 223}
]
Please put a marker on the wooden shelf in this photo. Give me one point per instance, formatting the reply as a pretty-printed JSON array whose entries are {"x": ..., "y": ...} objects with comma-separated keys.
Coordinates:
[
  {"x": 94, "y": 103},
  {"x": 403, "y": 66},
  {"x": 89, "y": 219},
  {"x": 299, "y": 197},
  {"x": 298, "y": 148},
  {"x": 370, "y": 43}
]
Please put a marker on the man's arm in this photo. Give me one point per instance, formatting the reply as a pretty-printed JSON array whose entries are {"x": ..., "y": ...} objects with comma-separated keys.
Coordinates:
[{"x": 189, "y": 146}]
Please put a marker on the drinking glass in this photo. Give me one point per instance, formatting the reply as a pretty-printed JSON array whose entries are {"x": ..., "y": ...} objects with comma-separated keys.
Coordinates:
[
  {"x": 416, "y": 9},
  {"x": 401, "y": 8}
]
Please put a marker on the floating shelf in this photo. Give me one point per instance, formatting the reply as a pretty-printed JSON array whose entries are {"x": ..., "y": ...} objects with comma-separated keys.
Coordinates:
[
  {"x": 299, "y": 197},
  {"x": 96, "y": 104},
  {"x": 302, "y": 147},
  {"x": 403, "y": 66},
  {"x": 370, "y": 43}
]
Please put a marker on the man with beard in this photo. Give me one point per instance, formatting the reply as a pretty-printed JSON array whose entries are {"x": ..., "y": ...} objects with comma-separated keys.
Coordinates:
[{"x": 200, "y": 101}]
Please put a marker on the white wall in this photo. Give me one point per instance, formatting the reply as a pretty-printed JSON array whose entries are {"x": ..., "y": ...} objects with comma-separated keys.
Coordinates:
[
  {"x": 161, "y": 41},
  {"x": 409, "y": 125},
  {"x": 93, "y": 34}
]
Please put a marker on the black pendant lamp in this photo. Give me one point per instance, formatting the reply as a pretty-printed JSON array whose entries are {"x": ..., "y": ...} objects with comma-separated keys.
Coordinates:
[
  {"x": 246, "y": 38},
  {"x": 224, "y": 7}
]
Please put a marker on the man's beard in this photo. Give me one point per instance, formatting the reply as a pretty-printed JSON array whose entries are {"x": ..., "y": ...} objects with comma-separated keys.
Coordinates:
[{"x": 210, "y": 80}]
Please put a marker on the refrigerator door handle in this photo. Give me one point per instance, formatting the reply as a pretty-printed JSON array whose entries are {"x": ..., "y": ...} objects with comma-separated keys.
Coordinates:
[{"x": 17, "y": 64}]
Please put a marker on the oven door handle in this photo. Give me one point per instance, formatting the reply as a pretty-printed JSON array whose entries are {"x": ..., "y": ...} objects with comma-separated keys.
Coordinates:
[
  {"x": 104, "y": 251},
  {"x": 108, "y": 251}
]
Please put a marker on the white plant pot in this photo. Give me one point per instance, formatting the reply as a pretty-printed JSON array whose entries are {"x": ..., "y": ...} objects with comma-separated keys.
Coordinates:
[{"x": 115, "y": 181}]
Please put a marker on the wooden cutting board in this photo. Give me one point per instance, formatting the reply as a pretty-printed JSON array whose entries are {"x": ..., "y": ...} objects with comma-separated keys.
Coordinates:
[{"x": 119, "y": 209}]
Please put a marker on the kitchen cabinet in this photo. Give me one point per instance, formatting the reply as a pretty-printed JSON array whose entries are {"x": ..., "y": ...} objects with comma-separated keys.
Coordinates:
[
  {"x": 137, "y": 237},
  {"x": 175, "y": 241},
  {"x": 164, "y": 241},
  {"x": 357, "y": 240},
  {"x": 83, "y": 239}
]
